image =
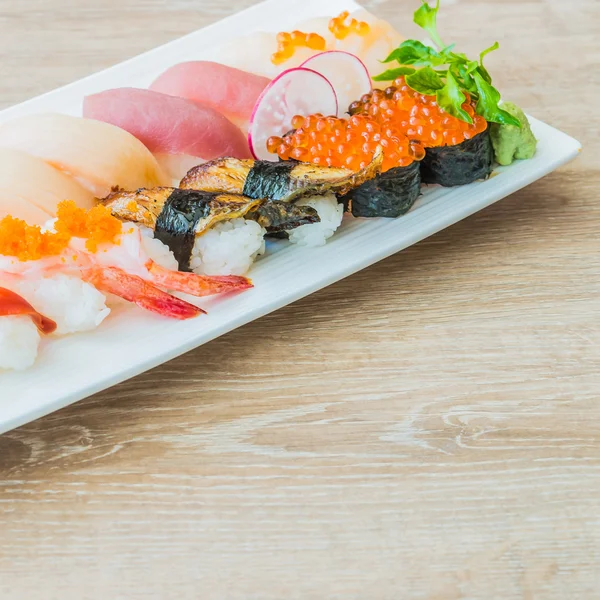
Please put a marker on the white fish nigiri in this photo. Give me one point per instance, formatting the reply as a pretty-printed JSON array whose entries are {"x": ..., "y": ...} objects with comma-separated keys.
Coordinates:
[
  {"x": 31, "y": 189},
  {"x": 253, "y": 52},
  {"x": 98, "y": 155}
]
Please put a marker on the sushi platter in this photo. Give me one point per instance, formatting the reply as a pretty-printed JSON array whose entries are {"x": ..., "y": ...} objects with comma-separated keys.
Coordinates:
[{"x": 168, "y": 200}]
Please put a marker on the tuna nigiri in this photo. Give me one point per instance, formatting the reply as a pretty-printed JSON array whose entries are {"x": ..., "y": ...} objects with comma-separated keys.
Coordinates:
[
  {"x": 230, "y": 91},
  {"x": 31, "y": 189},
  {"x": 180, "y": 133},
  {"x": 98, "y": 155}
]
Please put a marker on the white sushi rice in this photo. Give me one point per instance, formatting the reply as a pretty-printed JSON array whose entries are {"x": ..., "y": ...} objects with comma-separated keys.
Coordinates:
[
  {"x": 74, "y": 305},
  {"x": 317, "y": 234},
  {"x": 19, "y": 342},
  {"x": 157, "y": 251},
  {"x": 229, "y": 248}
]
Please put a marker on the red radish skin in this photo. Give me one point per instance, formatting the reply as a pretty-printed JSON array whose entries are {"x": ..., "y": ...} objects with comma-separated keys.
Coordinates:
[
  {"x": 295, "y": 92},
  {"x": 230, "y": 91},
  {"x": 347, "y": 74},
  {"x": 168, "y": 125}
]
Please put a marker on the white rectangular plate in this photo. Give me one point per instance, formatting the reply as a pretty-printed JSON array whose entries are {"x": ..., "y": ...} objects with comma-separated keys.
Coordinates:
[{"x": 131, "y": 341}]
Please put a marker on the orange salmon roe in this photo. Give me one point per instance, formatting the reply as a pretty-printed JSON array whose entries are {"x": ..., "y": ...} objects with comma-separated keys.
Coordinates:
[
  {"x": 341, "y": 27},
  {"x": 418, "y": 116},
  {"x": 28, "y": 242},
  {"x": 287, "y": 43},
  {"x": 349, "y": 143},
  {"x": 96, "y": 225}
]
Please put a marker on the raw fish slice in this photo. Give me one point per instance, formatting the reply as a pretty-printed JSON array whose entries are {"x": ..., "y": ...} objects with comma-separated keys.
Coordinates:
[
  {"x": 98, "y": 155},
  {"x": 26, "y": 180},
  {"x": 229, "y": 91},
  {"x": 375, "y": 46},
  {"x": 252, "y": 53},
  {"x": 172, "y": 128},
  {"x": 11, "y": 205}
]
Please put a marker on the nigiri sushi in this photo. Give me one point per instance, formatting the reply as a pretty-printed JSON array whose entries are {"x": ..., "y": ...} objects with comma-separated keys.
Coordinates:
[
  {"x": 215, "y": 234},
  {"x": 268, "y": 54},
  {"x": 21, "y": 326},
  {"x": 287, "y": 181},
  {"x": 97, "y": 155},
  {"x": 31, "y": 189},
  {"x": 98, "y": 249},
  {"x": 230, "y": 91},
  {"x": 179, "y": 132}
]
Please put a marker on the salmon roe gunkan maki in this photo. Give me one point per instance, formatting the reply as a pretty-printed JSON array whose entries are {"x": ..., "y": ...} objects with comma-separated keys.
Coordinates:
[
  {"x": 457, "y": 152},
  {"x": 349, "y": 143},
  {"x": 352, "y": 143}
]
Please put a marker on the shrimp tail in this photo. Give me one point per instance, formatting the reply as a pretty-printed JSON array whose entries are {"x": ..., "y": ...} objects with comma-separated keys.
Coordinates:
[
  {"x": 11, "y": 304},
  {"x": 134, "y": 289},
  {"x": 196, "y": 285}
]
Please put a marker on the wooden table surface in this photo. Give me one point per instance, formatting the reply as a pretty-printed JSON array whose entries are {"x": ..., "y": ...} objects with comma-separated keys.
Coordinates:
[{"x": 428, "y": 428}]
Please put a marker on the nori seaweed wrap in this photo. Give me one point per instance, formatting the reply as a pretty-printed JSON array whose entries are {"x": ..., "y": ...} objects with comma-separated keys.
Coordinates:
[
  {"x": 459, "y": 165},
  {"x": 391, "y": 194}
]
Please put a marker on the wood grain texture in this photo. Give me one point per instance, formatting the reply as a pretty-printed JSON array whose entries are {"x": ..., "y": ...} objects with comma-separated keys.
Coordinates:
[{"x": 427, "y": 429}]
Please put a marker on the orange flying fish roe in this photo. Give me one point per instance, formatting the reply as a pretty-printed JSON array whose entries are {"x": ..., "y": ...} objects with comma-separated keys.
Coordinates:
[
  {"x": 287, "y": 43},
  {"x": 349, "y": 143},
  {"x": 28, "y": 242},
  {"x": 342, "y": 26},
  {"x": 96, "y": 225},
  {"x": 418, "y": 116}
]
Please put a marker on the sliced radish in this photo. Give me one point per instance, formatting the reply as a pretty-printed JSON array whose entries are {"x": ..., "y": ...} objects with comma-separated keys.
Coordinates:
[
  {"x": 295, "y": 92},
  {"x": 346, "y": 73}
]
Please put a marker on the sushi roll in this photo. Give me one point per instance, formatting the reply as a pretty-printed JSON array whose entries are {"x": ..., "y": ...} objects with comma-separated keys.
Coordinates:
[
  {"x": 456, "y": 152},
  {"x": 209, "y": 233},
  {"x": 459, "y": 164},
  {"x": 391, "y": 194},
  {"x": 355, "y": 145}
]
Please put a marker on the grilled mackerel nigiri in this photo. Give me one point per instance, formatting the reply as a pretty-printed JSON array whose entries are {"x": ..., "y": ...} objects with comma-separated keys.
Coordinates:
[
  {"x": 179, "y": 216},
  {"x": 286, "y": 181}
]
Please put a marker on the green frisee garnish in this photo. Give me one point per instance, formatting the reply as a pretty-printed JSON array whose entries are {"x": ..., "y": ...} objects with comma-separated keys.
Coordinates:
[{"x": 441, "y": 72}]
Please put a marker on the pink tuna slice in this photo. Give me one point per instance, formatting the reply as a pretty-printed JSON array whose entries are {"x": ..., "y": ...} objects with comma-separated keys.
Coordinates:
[
  {"x": 179, "y": 132},
  {"x": 230, "y": 91}
]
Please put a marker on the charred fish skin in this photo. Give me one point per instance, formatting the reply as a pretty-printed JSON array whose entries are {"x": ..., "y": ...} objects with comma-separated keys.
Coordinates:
[
  {"x": 277, "y": 217},
  {"x": 220, "y": 175},
  {"x": 286, "y": 181},
  {"x": 142, "y": 206}
]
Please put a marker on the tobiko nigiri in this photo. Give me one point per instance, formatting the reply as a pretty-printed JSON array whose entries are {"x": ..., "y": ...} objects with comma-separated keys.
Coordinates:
[
  {"x": 98, "y": 155},
  {"x": 179, "y": 132},
  {"x": 230, "y": 91}
]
